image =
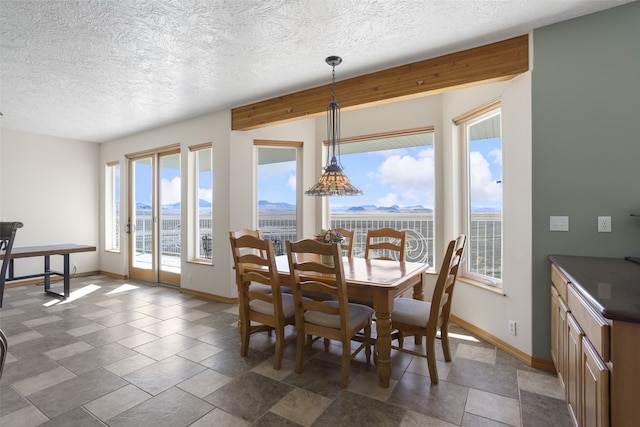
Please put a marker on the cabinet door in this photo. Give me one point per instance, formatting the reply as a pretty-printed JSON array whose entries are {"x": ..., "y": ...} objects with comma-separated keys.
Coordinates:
[
  {"x": 595, "y": 387},
  {"x": 558, "y": 334},
  {"x": 573, "y": 380}
]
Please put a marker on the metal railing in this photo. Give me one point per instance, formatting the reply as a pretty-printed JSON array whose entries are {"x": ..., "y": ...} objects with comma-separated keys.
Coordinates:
[{"x": 484, "y": 248}]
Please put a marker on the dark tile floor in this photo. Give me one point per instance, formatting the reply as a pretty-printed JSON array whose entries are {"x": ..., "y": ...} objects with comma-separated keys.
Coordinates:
[{"x": 125, "y": 353}]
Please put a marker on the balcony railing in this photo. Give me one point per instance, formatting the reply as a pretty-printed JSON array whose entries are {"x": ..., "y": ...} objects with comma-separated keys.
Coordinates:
[{"x": 484, "y": 248}]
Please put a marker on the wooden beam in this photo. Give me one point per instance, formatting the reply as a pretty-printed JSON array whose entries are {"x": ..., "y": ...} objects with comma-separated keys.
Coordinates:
[{"x": 493, "y": 62}]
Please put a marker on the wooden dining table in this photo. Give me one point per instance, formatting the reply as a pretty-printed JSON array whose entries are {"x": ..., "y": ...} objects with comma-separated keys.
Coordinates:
[{"x": 378, "y": 282}]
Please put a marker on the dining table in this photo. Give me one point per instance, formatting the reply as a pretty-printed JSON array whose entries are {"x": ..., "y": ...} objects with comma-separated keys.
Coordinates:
[{"x": 377, "y": 282}]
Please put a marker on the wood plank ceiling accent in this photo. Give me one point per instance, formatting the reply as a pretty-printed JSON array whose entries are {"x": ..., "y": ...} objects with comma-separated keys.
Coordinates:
[{"x": 493, "y": 62}]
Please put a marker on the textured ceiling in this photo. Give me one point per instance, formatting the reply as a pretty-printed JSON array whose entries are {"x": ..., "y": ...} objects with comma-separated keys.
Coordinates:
[{"x": 98, "y": 70}]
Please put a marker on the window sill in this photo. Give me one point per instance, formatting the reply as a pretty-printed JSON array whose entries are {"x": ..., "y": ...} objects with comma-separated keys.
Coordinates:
[
  {"x": 469, "y": 281},
  {"x": 200, "y": 261}
]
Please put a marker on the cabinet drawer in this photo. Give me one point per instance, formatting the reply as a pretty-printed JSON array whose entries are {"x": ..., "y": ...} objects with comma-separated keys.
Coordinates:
[
  {"x": 595, "y": 327},
  {"x": 559, "y": 281}
]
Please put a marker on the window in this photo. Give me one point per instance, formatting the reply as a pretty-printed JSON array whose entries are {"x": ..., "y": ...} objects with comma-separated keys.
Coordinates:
[
  {"x": 277, "y": 181},
  {"x": 482, "y": 142},
  {"x": 112, "y": 207},
  {"x": 202, "y": 202},
  {"x": 396, "y": 174}
]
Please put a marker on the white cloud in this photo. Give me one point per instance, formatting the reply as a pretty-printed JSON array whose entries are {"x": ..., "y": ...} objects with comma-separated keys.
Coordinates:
[
  {"x": 205, "y": 194},
  {"x": 170, "y": 191},
  {"x": 484, "y": 188},
  {"x": 292, "y": 183},
  {"x": 496, "y": 156},
  {"x": 411, "y": 177}
]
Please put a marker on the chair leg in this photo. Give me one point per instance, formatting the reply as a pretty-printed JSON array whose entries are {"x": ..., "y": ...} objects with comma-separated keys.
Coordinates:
[
  {"x": 244, "y": 337},
  {"x": 326, "y": 344},
  {"x": 431, "y": 358},
  {"x": 346, "y": 363},
  {"x": 277, "y": 361},
  {"x": 400, "y": 339},
  {"x": 367, "y": 343},
  {"x": 300, "y": 344},
  {"x": 444, "y": 338}
]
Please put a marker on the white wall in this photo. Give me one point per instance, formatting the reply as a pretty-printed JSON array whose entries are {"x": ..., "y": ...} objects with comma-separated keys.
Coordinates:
[
  {"x": 51, "y": 185},
  {"x": 485, "y": 309},
  {"x": 213, "y": 128}
]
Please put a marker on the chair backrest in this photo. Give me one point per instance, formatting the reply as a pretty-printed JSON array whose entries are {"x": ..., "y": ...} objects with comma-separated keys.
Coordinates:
[
  {"x": 443, "y": 291},
  {"x": 7, "y": 237},
  {"x": 255, "y": 262},
  {"x": 316, "y": 267},
  {"x": 386, "y": 240},
  {"x": 348, "y": 245}
]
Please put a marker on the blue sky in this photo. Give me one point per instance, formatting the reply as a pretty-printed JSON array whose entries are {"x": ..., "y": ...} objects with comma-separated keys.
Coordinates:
[{"x": 403, "y": 177}]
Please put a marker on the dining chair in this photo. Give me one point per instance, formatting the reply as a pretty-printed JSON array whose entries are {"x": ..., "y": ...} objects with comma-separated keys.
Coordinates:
[
  {"x": 255, "y": 233},
  {"x": 7, "y": 237},
  {"x": 349, "y": 235},
  {"x": 256, "y": 271},
  {"x": 422, "y": 318},
  {"x": 336, "y": 318},
  {"x": 383, "y": 243}
]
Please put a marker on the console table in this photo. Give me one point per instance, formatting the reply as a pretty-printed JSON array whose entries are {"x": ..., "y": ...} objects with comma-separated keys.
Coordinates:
[{"x": 46, "y": 251}]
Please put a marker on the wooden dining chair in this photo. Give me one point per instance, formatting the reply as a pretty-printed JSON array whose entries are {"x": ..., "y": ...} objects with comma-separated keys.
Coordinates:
[
  {"x": 386, "y": 243},
  {"x": 422, "y": 318},
  {"x": 259, "y": 294},
  {"x": 349, "y": 236},
  {"x": 7, "y": 237},
  {"x": 255, "y": 233},
  {"x": 335, "y": 319}
]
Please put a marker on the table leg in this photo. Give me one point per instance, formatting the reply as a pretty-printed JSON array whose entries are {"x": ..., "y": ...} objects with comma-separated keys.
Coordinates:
[
  {"x": 67, "y": 284},
  {"x": 47, "y": 269},
  {"x": 383, "y": 304}
]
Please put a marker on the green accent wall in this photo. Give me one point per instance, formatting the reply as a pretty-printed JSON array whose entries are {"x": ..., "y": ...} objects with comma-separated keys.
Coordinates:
[{"x": 585, "y": 144}]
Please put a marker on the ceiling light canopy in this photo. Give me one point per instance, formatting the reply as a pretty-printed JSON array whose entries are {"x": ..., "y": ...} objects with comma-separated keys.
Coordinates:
[{"x": 333, "y": 181}]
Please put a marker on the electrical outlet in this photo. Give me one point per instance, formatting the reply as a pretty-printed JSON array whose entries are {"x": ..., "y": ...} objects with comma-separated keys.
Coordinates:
[
  {"x": 512, "y": 327},
  {"x": 604, "y": 224}
]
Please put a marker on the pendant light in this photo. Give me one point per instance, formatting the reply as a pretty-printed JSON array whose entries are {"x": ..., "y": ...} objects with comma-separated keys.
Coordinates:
[{"x": 333, "y": 181}]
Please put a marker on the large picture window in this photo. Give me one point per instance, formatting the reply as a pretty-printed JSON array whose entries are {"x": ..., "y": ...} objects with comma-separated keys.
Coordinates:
[{"x": 396, "y": 173}]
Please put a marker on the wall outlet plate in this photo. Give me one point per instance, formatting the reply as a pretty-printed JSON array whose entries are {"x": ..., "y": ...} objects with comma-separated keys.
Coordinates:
[
  {"x": 604, "y": 224},
  {"x": 558, "y": 223}
]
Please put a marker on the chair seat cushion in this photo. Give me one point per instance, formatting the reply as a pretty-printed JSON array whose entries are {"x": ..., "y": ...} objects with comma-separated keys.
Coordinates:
[
  {"x": 411, "y": 311},
  {"x": 288, "y": 307},
  {"x": 254, "y": 286},
  {"x": 357, "y": 315}
]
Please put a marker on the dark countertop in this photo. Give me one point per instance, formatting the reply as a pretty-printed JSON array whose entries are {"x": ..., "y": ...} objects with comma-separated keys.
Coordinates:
[{"x": 612, "y": 285}]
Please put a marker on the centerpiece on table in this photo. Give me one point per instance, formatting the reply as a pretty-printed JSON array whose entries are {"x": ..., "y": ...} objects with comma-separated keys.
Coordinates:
[{"x": 329, "y": 236}]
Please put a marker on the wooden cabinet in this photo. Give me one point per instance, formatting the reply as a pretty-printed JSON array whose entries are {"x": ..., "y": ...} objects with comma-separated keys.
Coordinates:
[
  {"x": 596, "y": 345},
  {"x": 580, "y": 364}
]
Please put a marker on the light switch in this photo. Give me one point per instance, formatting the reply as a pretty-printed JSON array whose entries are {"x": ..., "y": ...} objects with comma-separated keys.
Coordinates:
[{"x": 558, "y": 223}]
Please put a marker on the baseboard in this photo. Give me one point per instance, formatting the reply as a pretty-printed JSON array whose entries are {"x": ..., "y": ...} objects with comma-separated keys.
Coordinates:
[
  {"x": 113, "y": 275},
  {"x": 208, "y": 296},
  {"x": 534, "y": 362}
]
